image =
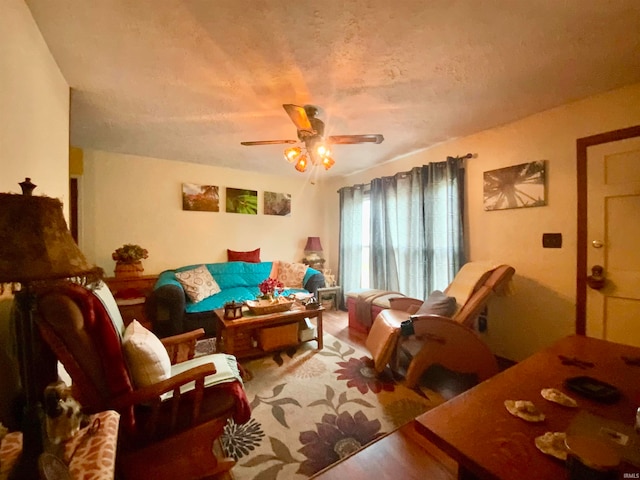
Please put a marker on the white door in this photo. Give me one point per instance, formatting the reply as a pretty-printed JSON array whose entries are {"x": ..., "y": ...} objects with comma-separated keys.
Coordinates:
[{"x": 613, "y": 176}]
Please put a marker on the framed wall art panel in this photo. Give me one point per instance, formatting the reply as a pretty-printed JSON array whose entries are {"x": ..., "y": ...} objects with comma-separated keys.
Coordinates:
[
  {"x": 518, "y": 186},
  {"x": 240, "y": 200},
  {"x": 277, "y": 204},
  {"x": 203, "y": 198}
]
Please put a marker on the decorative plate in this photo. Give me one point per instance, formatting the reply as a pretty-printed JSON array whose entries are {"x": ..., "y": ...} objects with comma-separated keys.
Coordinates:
[
  {"x": 553, "y": 443},
  {"x": 524, "y": 409},
  {"x": 556, "y": 396}
]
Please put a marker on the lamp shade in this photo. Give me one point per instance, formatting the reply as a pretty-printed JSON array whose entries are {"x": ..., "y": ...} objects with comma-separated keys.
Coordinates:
[
  {"x": 313, "y": 245},
  {"x": 35, "y": 243},
  {"x": 301, "y": 164},
  {"x": 292, "y": 154}
]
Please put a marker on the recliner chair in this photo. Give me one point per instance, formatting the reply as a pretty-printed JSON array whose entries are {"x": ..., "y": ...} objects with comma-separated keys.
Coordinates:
[
  {"x": 169, "y": 428},
  {"x": 399, "y": 335}
]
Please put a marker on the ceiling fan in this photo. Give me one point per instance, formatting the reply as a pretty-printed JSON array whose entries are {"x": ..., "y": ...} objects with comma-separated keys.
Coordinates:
[{"x": 311, "y": 137}]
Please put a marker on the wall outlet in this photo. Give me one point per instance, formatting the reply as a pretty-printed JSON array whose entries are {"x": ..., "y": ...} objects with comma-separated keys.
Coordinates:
[{"x": 482, "y": 323}]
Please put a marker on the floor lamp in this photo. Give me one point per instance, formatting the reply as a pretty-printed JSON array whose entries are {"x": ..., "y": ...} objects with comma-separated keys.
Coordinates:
[{"x": 36, "y": 251}]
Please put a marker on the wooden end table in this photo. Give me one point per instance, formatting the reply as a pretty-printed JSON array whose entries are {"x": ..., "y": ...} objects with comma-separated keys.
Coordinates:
[
  {"x": 488, "y": 443},
  {"x": 239, "y": 337},
  {"x": 330, "y": 292},
  {"x": 130, "y": 294}
]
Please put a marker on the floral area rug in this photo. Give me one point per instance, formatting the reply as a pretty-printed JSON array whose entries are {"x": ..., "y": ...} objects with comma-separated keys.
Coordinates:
[{"x": 311, "y": 408}]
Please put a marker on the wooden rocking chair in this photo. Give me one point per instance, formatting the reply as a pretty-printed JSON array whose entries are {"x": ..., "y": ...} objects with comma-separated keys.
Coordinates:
[{"x": 168, "y": 427}]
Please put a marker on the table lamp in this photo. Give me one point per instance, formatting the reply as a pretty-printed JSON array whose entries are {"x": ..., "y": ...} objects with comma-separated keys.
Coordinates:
[
  {"x": 36, "y": 251},
  {"x": 313, "y": 253}
]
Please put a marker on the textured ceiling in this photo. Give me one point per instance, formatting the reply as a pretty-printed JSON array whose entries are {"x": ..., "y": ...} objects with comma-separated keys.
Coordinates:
[{"x": 190, "y": 80}]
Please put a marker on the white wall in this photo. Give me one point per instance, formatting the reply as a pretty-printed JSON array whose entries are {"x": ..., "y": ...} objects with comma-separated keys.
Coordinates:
[
  {"x": 543, "y": 308},
  {"x": 34, "y": 108},
  {"x": 130, "y": 199},
  {"x": 34, "y": 133}
]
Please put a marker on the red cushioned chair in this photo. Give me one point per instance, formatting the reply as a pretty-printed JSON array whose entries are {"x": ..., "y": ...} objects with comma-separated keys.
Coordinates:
[{"x": 169, "y": 429}]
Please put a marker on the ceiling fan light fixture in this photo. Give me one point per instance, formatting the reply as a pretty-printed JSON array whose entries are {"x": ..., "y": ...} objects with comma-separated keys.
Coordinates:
[
  {"x": 323, "y": 151},
  {"x": 301, "y": 165},
  {"x": 312, "y": 146},
  {"x": 292, "y": 154},
  {"x": 328, "y": 162}
]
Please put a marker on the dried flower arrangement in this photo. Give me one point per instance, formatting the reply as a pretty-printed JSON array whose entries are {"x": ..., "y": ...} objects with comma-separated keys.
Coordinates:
[
  {"x": 130, "y": 253},
  {"x": 270, "y": 286}
]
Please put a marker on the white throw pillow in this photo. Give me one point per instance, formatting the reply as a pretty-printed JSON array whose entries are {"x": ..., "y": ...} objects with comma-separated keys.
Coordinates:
[
  {"x": 292, "y": 274},
  {"x": 146, "y": 357},
  {"x": 198, "y": 283}
]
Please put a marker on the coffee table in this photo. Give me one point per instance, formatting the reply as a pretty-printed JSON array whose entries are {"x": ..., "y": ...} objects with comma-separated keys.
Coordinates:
[{"x": 239, "y": 337}]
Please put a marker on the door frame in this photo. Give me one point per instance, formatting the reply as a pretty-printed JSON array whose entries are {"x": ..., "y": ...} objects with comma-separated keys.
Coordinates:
[{"x": 582, "y": 241}]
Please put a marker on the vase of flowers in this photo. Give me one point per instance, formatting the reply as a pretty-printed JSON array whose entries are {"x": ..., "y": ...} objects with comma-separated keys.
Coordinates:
[
  {"x": 269, "y": 288},
  {"x": 129, "y": 260}
]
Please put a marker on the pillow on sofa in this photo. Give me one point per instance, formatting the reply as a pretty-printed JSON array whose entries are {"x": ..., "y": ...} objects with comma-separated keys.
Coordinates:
[
  {"x": 292, "y": 274},
  {"x": 438, "y": 304},
  {"x": 251, "y": 257},
  {"x": 146, "y": 357},
  {"x": 198, "y": 283},
  {"x": 274, "y": 270}
]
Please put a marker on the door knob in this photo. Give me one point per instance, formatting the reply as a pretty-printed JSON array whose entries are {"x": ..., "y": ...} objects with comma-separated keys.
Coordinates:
[
  {"x": 596, "y": 280},
  {"x": 597, "y": 244}
]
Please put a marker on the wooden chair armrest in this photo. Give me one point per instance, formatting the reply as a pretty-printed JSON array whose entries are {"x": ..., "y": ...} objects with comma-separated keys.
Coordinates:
[
  {"x": 183, "y": 346},
  {"x": 406, "y": 304},
  {"x": 183, "y": 337},
  {"x": 152, "y": 393}
]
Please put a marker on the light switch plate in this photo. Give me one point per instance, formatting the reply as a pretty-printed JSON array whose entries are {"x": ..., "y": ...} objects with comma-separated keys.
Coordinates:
[{"x": 552, "y": 240}]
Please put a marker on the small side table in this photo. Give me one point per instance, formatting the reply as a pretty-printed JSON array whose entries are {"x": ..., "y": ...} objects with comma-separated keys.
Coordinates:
[
  {"x": 330, "y": 293},
  {"x": 130, "y": 294}
]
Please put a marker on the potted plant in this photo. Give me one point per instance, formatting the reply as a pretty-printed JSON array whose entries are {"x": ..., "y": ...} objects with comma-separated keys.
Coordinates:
[{"x": 129, "y": 260}]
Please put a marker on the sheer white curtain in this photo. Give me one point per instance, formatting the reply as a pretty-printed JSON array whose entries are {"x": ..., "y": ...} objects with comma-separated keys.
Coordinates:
[
  {"x": 350, "y": 260},
  {"x": 416, "y": 230}
]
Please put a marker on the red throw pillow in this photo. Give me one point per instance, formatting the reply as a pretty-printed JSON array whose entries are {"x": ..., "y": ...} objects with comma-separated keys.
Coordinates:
[{"x": 251, "y": 257}]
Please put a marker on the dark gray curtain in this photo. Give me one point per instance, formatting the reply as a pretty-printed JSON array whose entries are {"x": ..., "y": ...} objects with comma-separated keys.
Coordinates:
[
  {"x": 444, "y": 218},
  {"x": 417, "y": 238}
]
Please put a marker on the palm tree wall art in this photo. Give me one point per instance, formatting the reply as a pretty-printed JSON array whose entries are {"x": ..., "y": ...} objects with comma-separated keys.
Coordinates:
[{"x": 518, "y": 186}]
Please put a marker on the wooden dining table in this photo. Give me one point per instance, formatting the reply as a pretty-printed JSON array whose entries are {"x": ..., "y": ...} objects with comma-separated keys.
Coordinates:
[{"x": 478, "y": 432}]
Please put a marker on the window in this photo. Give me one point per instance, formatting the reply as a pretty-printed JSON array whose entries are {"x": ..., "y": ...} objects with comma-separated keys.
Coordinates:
[
  {"x": 403, "y": 233},
  {"x": 366, "y": 241}
]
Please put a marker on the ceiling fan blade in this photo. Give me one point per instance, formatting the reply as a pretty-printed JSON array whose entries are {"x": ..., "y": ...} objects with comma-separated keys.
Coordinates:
[
  {"x": 298, "y": 116},
  {"x": 347, "y": 139},
  {"x": 268, "y": 142}
]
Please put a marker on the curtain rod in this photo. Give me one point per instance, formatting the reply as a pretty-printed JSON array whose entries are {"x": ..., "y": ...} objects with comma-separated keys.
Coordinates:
[
  {"x": 465, "y": 157},
  {"x": 365, "y": 185}
]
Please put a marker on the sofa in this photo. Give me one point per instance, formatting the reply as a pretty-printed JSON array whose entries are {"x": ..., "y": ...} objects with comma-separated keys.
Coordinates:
[{"x": 172, "y": 312}]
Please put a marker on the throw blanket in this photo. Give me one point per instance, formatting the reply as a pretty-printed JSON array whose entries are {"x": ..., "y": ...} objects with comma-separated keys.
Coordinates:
[
  {"x": 467, "y": 279},
  {"x": 364, "y": 300}
]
